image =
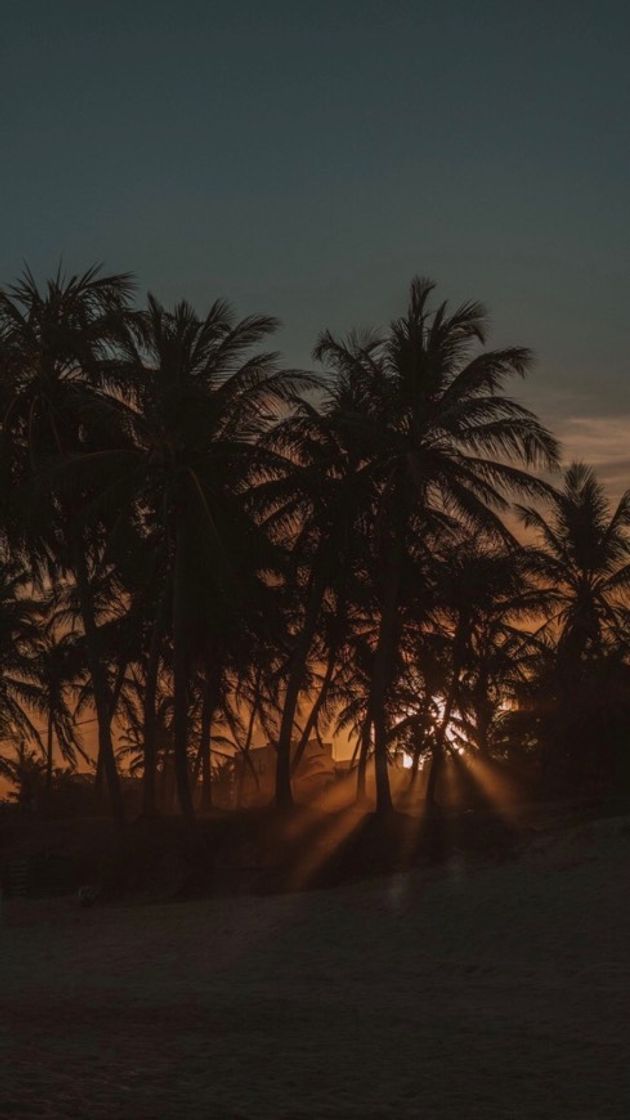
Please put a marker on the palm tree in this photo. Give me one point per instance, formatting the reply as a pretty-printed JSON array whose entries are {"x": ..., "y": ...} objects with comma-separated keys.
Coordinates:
[
  {"x": 440, "y": 443},
  {"x": 254, "y": 691},
  {"x": 198, "y": 402},
  {"x": 132, "y": 748},
  {"x": 579, "y": 695},
  {"x": 50, "y": 671},
  {"x": 134, "y": 639},
  {"x": 19, "y": 614},
  {"x": 58, "y": 366},
  {"x": 503, "y": 657},
  {"x": 424, "y": 676},
  {"x": 316, "y": 509},
  {"x": 483, "y": 595},
  {"x": 22, "y": 767},
  {"x": 582, "y": 561}
]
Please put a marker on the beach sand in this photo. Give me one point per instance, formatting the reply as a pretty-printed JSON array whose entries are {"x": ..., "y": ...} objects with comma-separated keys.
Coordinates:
[{"x": 470, "y": 990}]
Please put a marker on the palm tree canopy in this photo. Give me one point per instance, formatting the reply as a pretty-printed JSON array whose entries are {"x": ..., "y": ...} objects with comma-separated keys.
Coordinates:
[
  {"x": 425, "y": 408},
  {"x": 199, "y": 395},
  {"x": 582, "y": 560}
]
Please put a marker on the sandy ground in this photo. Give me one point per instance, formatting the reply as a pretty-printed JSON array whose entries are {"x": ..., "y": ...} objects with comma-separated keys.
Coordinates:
[{"x": 469, "y": 991}]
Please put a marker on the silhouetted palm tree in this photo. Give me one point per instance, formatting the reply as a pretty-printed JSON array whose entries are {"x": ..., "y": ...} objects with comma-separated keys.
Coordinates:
[
  {"x": 206, "y": 547},
  {"x": 582, "y": 561},
  {"x": 19, "y": 618},
  {"x": 50, "y": 672},
  {"x": 57, "y": 367},
  {"x": 23, "y": 768},
  {"x": 483, "y": 596},
  {"x": 314, "y": 513},
  {"x": 199, "y": 402},
  {"x": 435, "y": 432},
  {"x": 577, "y": 704}
]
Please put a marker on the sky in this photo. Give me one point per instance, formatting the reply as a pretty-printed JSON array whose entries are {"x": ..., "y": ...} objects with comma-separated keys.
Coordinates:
[{"x": 308, "y": 159}]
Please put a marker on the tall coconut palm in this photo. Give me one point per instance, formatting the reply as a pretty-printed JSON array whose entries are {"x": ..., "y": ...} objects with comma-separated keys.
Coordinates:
[
  {"x": 440, "y": 442},
  {"x": 582, "y": 561},
  {"x": 318, "y": 515},
  {"x": 578, "y": 701},
  {"x": 200, "y": 395},
  {"x": 57, "y": 368}
]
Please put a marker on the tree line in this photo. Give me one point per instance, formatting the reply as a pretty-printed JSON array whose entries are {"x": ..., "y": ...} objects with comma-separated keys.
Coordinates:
[{"x": 196, "y": 540}]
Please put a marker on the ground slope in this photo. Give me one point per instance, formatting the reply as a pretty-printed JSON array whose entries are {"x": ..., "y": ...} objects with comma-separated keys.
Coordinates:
[{"x": 465, "y": 991}]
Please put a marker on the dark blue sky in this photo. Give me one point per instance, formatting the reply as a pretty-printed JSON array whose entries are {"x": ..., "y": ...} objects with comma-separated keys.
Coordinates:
[{"x": 308, "y": 159}]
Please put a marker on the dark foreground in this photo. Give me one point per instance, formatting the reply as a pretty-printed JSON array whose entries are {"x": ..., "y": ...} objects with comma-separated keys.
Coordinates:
[{"x": 466, "y": 989}]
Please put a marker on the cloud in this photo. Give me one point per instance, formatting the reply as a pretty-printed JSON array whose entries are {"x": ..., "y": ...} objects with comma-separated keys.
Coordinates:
[{"x": 601, "y": 441}]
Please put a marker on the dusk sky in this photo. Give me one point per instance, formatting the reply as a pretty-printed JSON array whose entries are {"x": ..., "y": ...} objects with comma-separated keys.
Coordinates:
[{"x": 307, "y": 159}]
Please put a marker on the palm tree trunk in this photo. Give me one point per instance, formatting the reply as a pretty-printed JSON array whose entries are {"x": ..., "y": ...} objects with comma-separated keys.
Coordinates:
[
  {"x": 314, "y": 713},
  {"x": 149, "y": 801},
  {"x": 98, "y": 778},
  {"x": 330, "y": 668},
  {"x": 284, "y": 794},
  {"x": 413, "y": 777},
  {"x": 166, "y": 800},
  {"x": 205, "y": 740},
  {"x": 384, "y": 803},
  {"x": 484, "y": 720},
  {"x": 49, "y": 752},
  {"x": 437, "y": 759},
  {"x": 460, "y": 637},
  {"x": 245, "y": 759},
  {"x": 383, "y": 659},
  {"x": 99, "y": 687},
  {"x": 180, "y": 688},
  {"x": 363, "y": 758}
]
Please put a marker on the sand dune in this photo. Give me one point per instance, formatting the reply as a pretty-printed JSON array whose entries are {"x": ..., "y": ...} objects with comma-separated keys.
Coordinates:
[{"x": 469, "y": 991}]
